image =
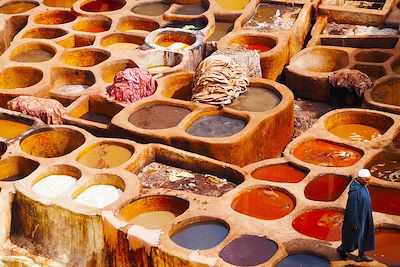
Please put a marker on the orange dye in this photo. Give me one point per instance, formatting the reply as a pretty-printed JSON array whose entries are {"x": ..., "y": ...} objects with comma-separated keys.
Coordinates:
[
  {"x": 264, "y": 203},
  {"x": 387, "y": 247},
  {"x": 259, "y": 47},
  {"x": 284, "y": 173},
  {"x": 324, "y": 224},
  {"x": 94, "y": 28},
  {"x": 357, "y": 132},
  {"x": 11, "y": 129},
  {"x": 326, "y": 187},
  {"x": 18, "y": 7},
  {"x": 102, "y": 6},
  {"x": 385, "y": 200},
  {"x": 327, "y": 154}
]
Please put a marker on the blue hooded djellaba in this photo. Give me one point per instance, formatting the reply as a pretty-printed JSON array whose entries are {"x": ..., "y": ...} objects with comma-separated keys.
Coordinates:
[{"x": 358, "y": 225}]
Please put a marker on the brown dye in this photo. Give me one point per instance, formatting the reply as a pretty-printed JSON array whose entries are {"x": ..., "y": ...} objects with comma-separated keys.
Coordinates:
[
  {"x": 153, "y": 9},
  {"x": 387, "y": 93},
  {"x": 96, "y": 117},
  {"x": 357, "y": 132},
  {"x": 232, "y": 5},
  {"x": 221, "y": 29},
  {"x": 158, "y": 175},
  {"x": 365, "y": 4},
  {"x": 271, "y": 17},
  {"x": 283, "y": 173},
  {"x": 326, "y": 154},
  {"x": 216, "y": 126},
  {"x": 190, "y": 10},
  {"x": 386, "y": 167},
  {"x": 256, "y": 100},
  {"x": 102, "y": 6},
  {"x": 93, "y": 28},
  {"x": 326, "y": 187},
  {"x": 385, "y": 200},
  {"x": 264, "y": 203},
  {"x": 11, "y": 129},
  {"x": 33, "y": 55},
  {"x": 60, "y": 3},
  {"x": 17, "y": 7},
  {"x": 104, "y": 156},
  {"x": 396, "y": 68},
  {"x": 158, "y": 116},
  {"x": 324, "y": 224},
  {"x": 387, "y": 247}
]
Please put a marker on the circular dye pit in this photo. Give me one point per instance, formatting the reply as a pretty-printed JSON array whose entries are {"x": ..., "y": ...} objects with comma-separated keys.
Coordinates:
[
  {"x": 52, "y": 143},
  {"x": 327, "y": 154},
  {"x": 174, "y": 41},
  {"x": 201, "y": 235},
  {"x": 321, "y": 60},
  {"x": 60, "y": 3},
  {"x": 385, "y": 200},
  {"x": 99, "y": 196},
  {"x": 387, "y": 247},
  {"x": 17, "y": 7},
  {"x": 194, "y": 24},
  {"x": 256, "y": 99},
  {"x": 152, "y": 9},
  {"x": 11, "y": 129},
  {"x": 93, "y": 26},
  {"x": 216, "y": 126},
  {"x": 190, "y": 10},
  {"x": 248, "y": 250},
  {"x": 54, "y": 185},
  {"x": 154, "y": 211},
  {"x": 357, "y": 132},
  {"x": 372, "y": 56},
  {"x": 264, "y": 203},
  {"x": 16, "y": 168},
  {"x": 396, "y": 67},
  {"x": 85, "y": 57},
  {"x": 44, "y": 33},
  {"x": 303, "y": 260},
  {"x": 326, "y": 187},
  {"x": 54, "y": 17},
  {"x": 232, "y": 5},
  {"x": 19, "y": 77},
  {"x": 32, "y": 53},
  {"x": 283, "y": 173},
  {"x": 261, "y": 44},
  {"x": 105, "y": 155},
  {"x": 158, "y": 116},
  {"x": 387, "y": 92},
  {"x": 386, "y": 166},
  {"x": 102, "y": 5},
  {"x": 323, "y": 224}
]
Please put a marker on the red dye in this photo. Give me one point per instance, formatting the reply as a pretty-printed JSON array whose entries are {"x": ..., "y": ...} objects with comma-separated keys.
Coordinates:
[
  {"x": 387, "y": 247},
  {"x": 326, "y": 187},
  {"x": 259, "y": 47},
  {"x": 385, "y": 200},
  {"x": 327, "y": 154},
  {"x": 324, "y": 224},
  {"x": 102, "y": 6},
  {"x": 264, "y": 203},
  {"x": 284, "y": 173}
]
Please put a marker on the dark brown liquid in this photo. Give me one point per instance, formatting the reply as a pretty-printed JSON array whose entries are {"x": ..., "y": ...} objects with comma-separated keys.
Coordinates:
[
  {"x": 153, "y": 9},
  {"x": 216, "y": 126},
  {"x": 190, "y": 10},
  {"x": 256, "y": 100},
  {"x": 386, "y": 166},
  {"x": 96, "y": 117},
  {"x": 158, "y": 116},
  {"x": 326, "y": 187}
]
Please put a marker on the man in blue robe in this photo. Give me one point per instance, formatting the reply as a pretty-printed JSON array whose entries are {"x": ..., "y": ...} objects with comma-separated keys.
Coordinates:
[{"x": 358, "y": 226}]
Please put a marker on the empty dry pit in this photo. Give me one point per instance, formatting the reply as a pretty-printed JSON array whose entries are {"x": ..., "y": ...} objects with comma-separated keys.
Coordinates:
[
  {"x": 327, "y": 154},
  {"x": 387, "y": 92},
  {"x": 85, "y": 57},
  {"x": 254, "y": 42},
  {"x": 396, "y": 66},
  {"x": 16, "y": 168},
  {"x": 56, "y": 180},
  {"x": 92, "y": 25},
  {"x": 154, "y": 211},
  {"x": 265, "y": 203},
  {"x": 122, "y": 41},
  {"x": 358, "y": 125},
  {"x": 104, "y": 155},
  {"x": 19, "y": 77},
  {"x": 136, "y": 25},
  {"x": 44, "y": 33},
  {"x": 109, "y": 71},
  {"x": 374, "y": 72},
  {"x": 71, "y": 81},
  {"x": 199, "y": 233},
  {"x": 33, "y": 52},
  {"x": 373, "y": 56},
  {"x": 52, "y": 142},
  {"x": 159, "y": 61},
  {"x": 54, "y": 17},
  {"x": 321, "y": 59},
  {"x": 100, "y": 192}
]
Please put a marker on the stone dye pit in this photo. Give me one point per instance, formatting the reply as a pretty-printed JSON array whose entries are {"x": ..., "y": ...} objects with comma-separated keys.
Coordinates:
[{"x": 166, "y": 181}]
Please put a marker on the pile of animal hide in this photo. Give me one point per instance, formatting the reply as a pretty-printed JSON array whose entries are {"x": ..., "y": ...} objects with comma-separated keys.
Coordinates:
[{"x": 352, "y": 80}]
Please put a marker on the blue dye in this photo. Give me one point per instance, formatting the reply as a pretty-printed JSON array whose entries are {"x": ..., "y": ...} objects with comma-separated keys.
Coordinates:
[
  {"x": 303, "y": 260},
  {"x": 201, "y": 235}
]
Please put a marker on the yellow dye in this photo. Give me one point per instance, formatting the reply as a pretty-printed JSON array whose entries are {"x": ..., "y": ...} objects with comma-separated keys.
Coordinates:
[{"x": 11, "y": 129}]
